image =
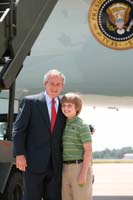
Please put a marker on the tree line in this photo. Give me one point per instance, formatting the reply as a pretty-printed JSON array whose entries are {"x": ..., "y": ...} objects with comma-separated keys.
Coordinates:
[{"x": 112, "y": 154}]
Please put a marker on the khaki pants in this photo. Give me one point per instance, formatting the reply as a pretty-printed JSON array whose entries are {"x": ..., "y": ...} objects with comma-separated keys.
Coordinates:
[{"x": 71, "y": 190}]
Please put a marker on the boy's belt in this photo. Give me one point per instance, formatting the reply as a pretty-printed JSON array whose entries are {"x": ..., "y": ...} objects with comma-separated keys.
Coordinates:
[{"x": 72, "y": 161}]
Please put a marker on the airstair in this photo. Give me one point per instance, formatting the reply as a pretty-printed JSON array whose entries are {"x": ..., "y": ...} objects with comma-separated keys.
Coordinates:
[{"x": 20, "y": 24}]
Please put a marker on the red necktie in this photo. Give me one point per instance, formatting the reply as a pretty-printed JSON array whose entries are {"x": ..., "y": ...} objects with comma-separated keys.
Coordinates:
[{"x": 53, "y": 115}]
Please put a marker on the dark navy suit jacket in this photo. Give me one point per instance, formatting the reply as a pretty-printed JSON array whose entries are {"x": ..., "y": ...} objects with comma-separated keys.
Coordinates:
[{"x": 32, "y": 136}]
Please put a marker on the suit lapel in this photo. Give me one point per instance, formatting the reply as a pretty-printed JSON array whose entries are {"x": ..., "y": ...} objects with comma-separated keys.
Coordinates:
[
  {"x": 58, "y": 120},
  {"x": 42, "y": 105},
  {"x": 59, "y": 111}
]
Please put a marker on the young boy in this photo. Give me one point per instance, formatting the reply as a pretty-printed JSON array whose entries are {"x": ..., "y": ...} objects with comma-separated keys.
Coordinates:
[{"x": 77, "y": 152}]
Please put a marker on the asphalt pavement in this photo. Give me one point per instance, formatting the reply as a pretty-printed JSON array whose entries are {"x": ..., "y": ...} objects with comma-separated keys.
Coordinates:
[
  {"x": 113, "y": 182},
  {"x": 113, "y": 198}
]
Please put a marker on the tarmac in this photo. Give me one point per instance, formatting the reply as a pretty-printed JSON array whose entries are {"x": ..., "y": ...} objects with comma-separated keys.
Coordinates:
[{"x": 113, "y": 182}]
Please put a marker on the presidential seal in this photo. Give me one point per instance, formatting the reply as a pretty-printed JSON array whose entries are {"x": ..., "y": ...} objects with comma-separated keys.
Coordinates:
[{"x": 111, "y": 23}]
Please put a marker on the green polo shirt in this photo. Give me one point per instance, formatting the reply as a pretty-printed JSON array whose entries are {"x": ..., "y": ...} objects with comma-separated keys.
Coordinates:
[{"x": 76, "y": 133}]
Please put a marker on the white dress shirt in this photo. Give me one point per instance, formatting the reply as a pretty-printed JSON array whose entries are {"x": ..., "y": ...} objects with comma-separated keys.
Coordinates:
[{"x": 49, "y": 103}]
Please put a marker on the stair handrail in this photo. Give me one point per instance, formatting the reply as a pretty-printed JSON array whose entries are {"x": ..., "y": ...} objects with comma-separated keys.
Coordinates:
[{"x": 4, "y": 14}]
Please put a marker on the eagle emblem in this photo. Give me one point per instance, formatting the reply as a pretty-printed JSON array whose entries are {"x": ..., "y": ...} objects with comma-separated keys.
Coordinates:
[
  {"x": 111, "y": 23},
  {"x": 119, "y": 16}
]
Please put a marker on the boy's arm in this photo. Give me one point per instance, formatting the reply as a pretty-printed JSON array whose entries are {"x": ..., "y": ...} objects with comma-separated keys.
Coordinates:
[{"x": 87, "y": 162}]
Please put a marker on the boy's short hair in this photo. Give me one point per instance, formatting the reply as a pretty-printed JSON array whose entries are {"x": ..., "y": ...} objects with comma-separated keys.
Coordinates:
[{"x": 73, "y": 98}]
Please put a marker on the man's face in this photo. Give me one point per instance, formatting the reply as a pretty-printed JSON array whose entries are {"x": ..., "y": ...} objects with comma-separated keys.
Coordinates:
[{"x": 53, "y": 86}]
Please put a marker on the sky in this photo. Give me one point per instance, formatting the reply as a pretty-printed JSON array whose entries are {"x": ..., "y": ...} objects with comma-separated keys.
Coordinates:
[{"x": 114, "y": 128}]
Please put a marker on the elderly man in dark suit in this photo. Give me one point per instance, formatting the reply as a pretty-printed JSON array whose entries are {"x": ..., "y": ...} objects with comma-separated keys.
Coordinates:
[{"x": 37, "y": 136}]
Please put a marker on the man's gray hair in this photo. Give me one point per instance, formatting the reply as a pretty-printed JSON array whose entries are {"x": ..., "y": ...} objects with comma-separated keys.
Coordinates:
[{"x": 54, "y": 72}]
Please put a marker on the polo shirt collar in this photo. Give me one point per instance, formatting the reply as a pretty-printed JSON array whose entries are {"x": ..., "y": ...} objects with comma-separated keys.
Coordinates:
[{"x": 72, "y": 120}]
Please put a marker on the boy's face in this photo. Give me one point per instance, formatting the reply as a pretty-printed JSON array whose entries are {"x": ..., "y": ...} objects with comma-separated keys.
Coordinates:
[{"x": 69, "y": 110}]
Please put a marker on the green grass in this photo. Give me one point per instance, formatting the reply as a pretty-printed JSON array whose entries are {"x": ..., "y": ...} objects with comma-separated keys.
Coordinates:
[{"x": 111, "y": 161}]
